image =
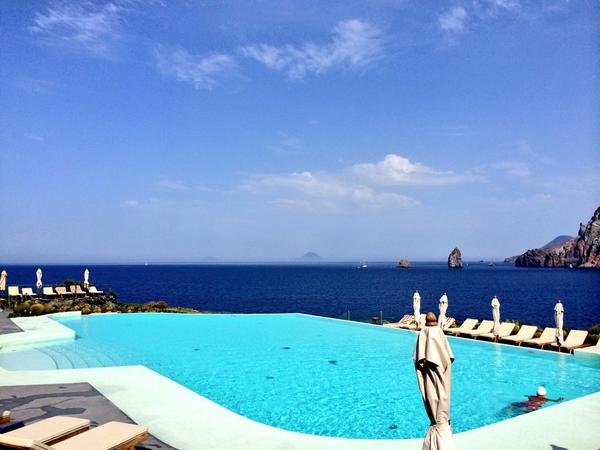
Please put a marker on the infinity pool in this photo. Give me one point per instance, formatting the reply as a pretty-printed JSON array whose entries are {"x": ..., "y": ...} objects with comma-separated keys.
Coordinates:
[{"x": 310, "y": 374}]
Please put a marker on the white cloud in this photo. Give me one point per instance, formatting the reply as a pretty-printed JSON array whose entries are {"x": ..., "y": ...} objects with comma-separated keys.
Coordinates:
[
  {"x": 354, "y": 186},
  {"x": 131, "y": 203},
  {"x": 174, "y": 185},
  {"x": 396, "y": 170},
  {"x": 355, "y": 44},
  {"x": 323, "y": 191},
  {"x": 513, "y": 168},
  {"x": 34, "y": 137},
  {"x": 89, "y": 27},
  {"x": 454, "y": 20},
  {"x": 200, "y": 70}
]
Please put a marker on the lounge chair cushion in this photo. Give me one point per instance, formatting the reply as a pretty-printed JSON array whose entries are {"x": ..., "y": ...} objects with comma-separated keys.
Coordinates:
[
  {"x": 105, "y": 437},
  {"x": 21, "y": 443},
  {"x": 49, "y": 430}
]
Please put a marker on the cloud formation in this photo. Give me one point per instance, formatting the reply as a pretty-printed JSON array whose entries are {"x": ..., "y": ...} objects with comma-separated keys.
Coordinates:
[
  {"x": 454, "y": 20},
  {"x": 396, "y": 170},
  {"x": 88, "y": 27},
  {"x": 355, "y": 44},
  {"x": 354, "y": 186},
  {"x": 200, "y": 70},
  {"x": 457, "y": 19}
]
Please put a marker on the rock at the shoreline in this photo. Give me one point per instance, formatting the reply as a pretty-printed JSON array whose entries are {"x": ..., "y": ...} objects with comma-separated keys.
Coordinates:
[
  {"x": 552, "y": 245},
  {"x": 455, "y": 259},
  {"x": 581, "y": 251},
  {"x": 404, "y": 263}
]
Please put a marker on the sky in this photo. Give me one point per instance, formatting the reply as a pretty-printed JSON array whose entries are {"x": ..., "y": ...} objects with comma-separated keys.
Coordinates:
[{"x": 169, "y": 131}]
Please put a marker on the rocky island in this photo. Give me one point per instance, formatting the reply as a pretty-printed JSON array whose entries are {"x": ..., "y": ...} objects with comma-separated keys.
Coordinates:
[
  {"x": 581, "y": 251},
  {"x": 404, "y": 263},
  {"x": 455, "y": 259}
]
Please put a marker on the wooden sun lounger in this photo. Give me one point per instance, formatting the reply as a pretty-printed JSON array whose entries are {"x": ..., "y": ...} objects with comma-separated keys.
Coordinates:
[
  {"x": 110, "y": 436},
  {"x": 525, "y": 332},
  {"x": 506, "y": 328},
  {"x": 547, "y": 337},
  {"x": 49, "y": 431},
  {"x": 575, "y": 339},
  {"x": 467, "y": 325},
  {"x": 449, "y": 322},
  {"x": 405, "y": 320},
  {"x": 484, "y": 327},
  {"x": 48, "y": 292}
]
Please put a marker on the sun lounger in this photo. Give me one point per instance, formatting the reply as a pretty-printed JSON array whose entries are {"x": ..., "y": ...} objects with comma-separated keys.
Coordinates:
[
  {"x": 48, "y": 292},
  {"x": 62, "y": 291},
  {"x": 449, "y": 322},
  {"x": 592, "y": 349},
  {"x": 506, "y": 328},
  {"x": 76, "y": 290},
  {"x": 110, "y": 436},
  {"x": 413, "y": 326},
  {"x": 547, "y": 337},
  {"x": 575, "y": 339},
  {"x": 484, "y": 327},
  {"x": 525, "y": 332},
  {"x": 28, "y": 292},
  {"x": 404, "y": 321},
  {"x": 13, "y": 291},
  {"x": 49, "y": 431},
  {"x": 92, "y": 290},
  {"x": 467, "y": 325},
  {"x": 4, "y": 417}
]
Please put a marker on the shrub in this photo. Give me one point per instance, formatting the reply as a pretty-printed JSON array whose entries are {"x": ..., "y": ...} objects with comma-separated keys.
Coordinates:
[
  {"x": 86, "y": 310},
  {"x": 49, "y": 308},
  {"x": 162, "y": 304},
  {"x": 21, "y": 308},
  {"x": 36, "y": 309}
]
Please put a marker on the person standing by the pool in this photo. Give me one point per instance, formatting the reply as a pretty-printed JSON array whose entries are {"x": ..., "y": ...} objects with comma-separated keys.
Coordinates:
[{"x": 433, "y": 362}]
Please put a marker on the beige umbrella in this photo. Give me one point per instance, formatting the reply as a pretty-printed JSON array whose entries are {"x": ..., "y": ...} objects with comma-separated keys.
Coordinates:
[
  {"x": 443, "y": 309},
  {"x": 496, "y": 315},
  {"x": 433, "y": 362},
  {"x": 38, "y": 274},
  {"x": 3, "y": 280},
  {"x": 86, "y": 278},
  {"x": 417, "y": 306},
  {"x": 559, "y": 313}
]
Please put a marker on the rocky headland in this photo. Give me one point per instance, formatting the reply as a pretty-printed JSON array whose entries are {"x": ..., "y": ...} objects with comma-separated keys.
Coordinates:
[
  {"x": 455, "y": 259},
  {"x": 581, "y": 251},
  {"x": 404, "y": 263}
]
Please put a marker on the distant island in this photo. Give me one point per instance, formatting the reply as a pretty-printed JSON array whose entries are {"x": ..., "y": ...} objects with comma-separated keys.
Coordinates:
[
  {"x": 310, "y": 257},
  {"x": 582, "y": 250}
]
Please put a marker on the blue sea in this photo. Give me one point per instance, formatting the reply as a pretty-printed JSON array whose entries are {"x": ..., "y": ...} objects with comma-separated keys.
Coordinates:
[{"x": 332, "y": 289}]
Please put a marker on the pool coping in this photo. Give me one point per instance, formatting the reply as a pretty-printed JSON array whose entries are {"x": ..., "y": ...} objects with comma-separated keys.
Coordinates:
[{"x": 168, "y": 410}]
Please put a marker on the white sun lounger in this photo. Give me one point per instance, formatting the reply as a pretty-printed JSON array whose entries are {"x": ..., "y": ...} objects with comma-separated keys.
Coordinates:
[
  {"x": 94, "y": 291},
  {"x": 400, "y": 324},
  {"x": 13, "y": 291},
  {"x": 575, "y": 339},
  {"x": 506, "y": 328},
  {"x": 110, "y": 436},
  {"x": 592, "y": 349},
  {"x": 48, "y": 292},
  {"x": 28, "y": 292},
  {"x": 449, "y": 322},
  {"x": 48, "y": 431},
  {"x": 467, "y": 325},
  {"x": 547, "y": 337},
  {"x": 525, "y": 332},
  {"x": 484, "y": 327}
]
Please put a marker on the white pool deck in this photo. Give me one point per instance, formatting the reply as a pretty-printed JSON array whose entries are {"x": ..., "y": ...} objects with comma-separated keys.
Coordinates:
[{"x": 187, "y": 420}]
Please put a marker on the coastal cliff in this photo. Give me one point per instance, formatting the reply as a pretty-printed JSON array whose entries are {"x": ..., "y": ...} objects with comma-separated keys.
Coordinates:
[{"x": 581, "y": 251}]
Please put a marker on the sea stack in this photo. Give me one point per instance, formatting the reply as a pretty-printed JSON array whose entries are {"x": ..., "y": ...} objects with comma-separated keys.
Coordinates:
[
  {"x": 455, "y": 259},
  {"x": 404, "y": 263}
]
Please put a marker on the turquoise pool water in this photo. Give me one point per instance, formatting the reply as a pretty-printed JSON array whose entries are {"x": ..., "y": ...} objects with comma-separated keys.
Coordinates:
[{"x": 311, "y": 374}]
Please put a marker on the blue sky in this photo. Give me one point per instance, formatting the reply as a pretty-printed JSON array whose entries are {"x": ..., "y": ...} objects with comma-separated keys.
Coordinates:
[{"x": 170, "y": 131}]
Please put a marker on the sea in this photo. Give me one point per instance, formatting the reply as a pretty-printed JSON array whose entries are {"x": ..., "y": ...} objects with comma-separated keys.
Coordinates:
[{"x": 342, "y": 290}]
